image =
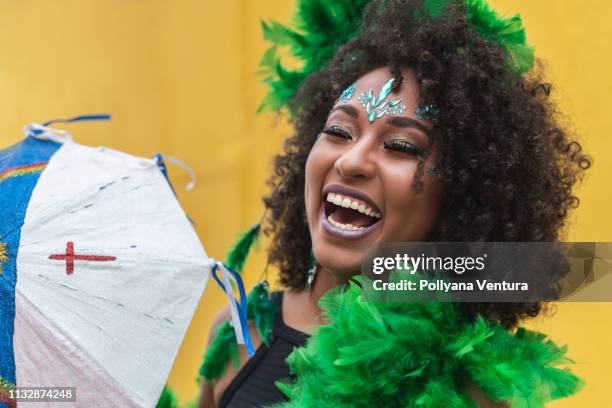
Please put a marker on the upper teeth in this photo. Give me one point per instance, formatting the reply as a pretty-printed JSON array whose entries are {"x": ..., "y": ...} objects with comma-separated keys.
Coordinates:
[{"x": 348, "y": 202}]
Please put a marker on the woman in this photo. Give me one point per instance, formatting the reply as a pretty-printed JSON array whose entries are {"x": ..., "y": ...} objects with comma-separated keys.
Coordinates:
[{"x": 428, "y": 124}]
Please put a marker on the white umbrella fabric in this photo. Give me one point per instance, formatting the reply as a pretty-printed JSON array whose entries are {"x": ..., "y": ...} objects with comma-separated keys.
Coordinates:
[{"x": 101, "y": 272}]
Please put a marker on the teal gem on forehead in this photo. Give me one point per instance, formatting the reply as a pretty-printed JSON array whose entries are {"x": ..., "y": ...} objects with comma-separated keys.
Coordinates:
[
  {"x": 348, "y": 92},
  {"x": 377, "y": 106},
  {"x": 427, "y": 112}
]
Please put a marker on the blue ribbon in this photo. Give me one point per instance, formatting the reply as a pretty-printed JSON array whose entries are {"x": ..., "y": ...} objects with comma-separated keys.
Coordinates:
[
  {"x": 103, "y": 116},
  {"x": 35, "y": 130},
  {"x": 242, "y": 305}
]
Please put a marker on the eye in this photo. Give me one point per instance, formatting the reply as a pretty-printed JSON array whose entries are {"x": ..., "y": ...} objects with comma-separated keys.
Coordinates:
[
  {"x": 402, "y": 146},
  {"x": 338, "y": 131}
]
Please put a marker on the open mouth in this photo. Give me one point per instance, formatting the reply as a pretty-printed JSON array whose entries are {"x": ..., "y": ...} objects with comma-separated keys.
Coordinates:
[{"x": 349, "y": 213}]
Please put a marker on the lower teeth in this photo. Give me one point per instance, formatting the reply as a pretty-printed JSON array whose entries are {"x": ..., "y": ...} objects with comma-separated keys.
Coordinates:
[{"x": 346, "y": 227}]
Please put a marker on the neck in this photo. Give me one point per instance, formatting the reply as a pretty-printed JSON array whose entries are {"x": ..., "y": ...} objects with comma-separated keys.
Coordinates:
[
  {"x": 301, "y": 308},
  {"x": 324, "y": 281}
]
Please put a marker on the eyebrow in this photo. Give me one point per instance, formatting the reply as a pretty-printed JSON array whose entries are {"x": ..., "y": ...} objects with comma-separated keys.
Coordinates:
[
  {"x": 402, "y": 121},
  {"x": 351, "y": 110}
]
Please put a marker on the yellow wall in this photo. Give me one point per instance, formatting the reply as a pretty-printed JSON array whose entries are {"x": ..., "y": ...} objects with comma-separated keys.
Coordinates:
[{"x": 179, "y": 78}]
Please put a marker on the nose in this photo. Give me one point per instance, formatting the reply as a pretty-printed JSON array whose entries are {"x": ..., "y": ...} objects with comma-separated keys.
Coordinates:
[{"x": 357, "y": 160}]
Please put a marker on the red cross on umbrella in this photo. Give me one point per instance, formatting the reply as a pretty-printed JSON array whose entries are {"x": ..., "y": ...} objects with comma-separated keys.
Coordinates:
[{"x": 70, "y": 257}]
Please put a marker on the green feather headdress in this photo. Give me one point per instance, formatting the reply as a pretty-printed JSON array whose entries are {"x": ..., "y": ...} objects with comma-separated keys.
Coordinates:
[
  {"x": 322, "y": 26},
  {"x": 509, "y": 33}
]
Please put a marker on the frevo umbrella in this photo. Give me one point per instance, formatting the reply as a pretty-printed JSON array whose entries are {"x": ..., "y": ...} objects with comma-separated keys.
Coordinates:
[{"x": 101, "y": 272}]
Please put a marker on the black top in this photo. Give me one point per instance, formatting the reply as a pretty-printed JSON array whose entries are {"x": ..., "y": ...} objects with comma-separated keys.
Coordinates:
[{"x": 254, "y": 386}]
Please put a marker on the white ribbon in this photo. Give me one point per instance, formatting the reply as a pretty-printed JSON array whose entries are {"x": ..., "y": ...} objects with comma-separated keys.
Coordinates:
[
  {"x": 44, "y": 132},
  {"x": 185, "y": 167},
  {"x": 227, "y": 278}
]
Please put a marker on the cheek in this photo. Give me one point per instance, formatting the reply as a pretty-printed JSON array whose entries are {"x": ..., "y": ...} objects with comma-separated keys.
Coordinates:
[
  {"x": 397, "y": 178},
  {"x": 318, "y": 165},
  {"x": 311, "y": 175},
  {"x": 411, "y": 214}
]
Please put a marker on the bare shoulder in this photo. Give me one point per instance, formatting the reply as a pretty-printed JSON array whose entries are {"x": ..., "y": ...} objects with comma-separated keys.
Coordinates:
[
  {"x": 481, "y": 399},
  {"x": 222, "y": 316},
  {"x": 211, "y": 391}
]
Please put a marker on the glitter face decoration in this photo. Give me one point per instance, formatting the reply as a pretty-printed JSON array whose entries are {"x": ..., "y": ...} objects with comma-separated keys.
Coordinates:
[
  {"x": 427, "y": 112},
  {"x": 433, "y": 170},
  {"x": 379, "y": 106},
  {"x": 348, "y": 93}
]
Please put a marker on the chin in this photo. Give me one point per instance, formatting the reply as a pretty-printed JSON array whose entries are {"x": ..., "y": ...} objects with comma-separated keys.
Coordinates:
[{"x": 342, "y": 262}]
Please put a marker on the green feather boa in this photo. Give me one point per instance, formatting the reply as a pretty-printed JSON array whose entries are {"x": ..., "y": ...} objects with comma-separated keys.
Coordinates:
[
  {"x": 406, "y": 354},
  {"x": 419, "y": 354}
]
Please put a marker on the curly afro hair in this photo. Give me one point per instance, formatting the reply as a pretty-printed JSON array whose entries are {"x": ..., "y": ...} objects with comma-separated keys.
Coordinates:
[{"x": 507, "y": 166}]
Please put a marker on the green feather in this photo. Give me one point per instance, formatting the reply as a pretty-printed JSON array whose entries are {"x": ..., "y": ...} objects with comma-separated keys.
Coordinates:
[
  {"x": 240, "y": 251},
  {"x": 470, "y": 339},
  {"x": 224, "y": 346},
  {"x": 261, "y": 310},
  {"x": 222, "y": 349},
  {"x": 416, "y": 354},
  {"x": 167, "y": 399},
  {"x": 321, "y": 26},
  {"x": 285, "y": 387},
  {"x": 509, "y": 33}
]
